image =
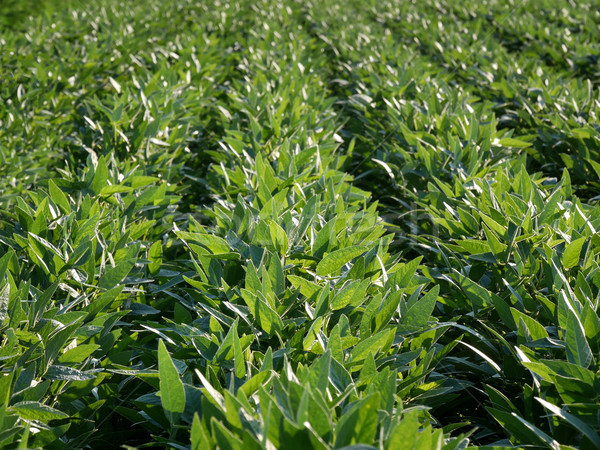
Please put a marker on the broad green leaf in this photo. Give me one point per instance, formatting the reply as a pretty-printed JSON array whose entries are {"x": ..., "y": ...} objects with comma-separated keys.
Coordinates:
[
  {"x": 479, "y": 296},
  {"x": 78, "y": 354},
  {"x": 571, "y": 254},
  {"x": 100, "y": 176},
  {"x": 335, "y": 260},
  {"x": 404, "y": 434},
  {"x": 404, "y": 274},
  {"x": 576, "y": 423},
  {"x": 573, "y": 390},
  {"x": 419, "y": 314},
  {"x": 155, "y": 255},
  {"x": 37, "y": 411},
  {"x": 307, "y": 217},
  {"x": 226, "y": 440},
  {"x": 260, "y": 379},
  {"x": 523, "y": 430},
  {"x": 267, "y": 319},
  {"x": 319, "y": 372},
  {"x": 225, "y": 351},
  {"x": 114, "y": 275},
  {"x": 276, "y": 275},
  {"x": 102, "y": 301},
  {"x": 60, "y": 372},
  {"x": 215, "y": 244},
  {"x": 197, "y": 434},
  {"x": 515, "y": 143},
  {"x": 278, "y": 237},
  {"x": 351, "y": 294},
  {"x": 551, "y": 208},
  {"x": 172, "y": 392},
  {"x": 59, "y": 197},
  {"x": 504, "y": 311},
  {"x": 57, "y": 342},
  {"x": 6, "y": 381},
  {"x": 359, "y": 425},
  {"x": 535, "y": 329},
  {"x": 307, "y": 288},
  {"x": 373, "y": 345},
  {"x": 499, "y": 400},
  {"x": 311, "y": 339},
  {"x": 578, "y": 349},
  {"x": 252, "y": 281},
  {"x": 114, "y": 189},
  {"x": 591, "y": 323},
  {"x": 493, "y": 225},
  {"x": 324, "y": 239},
  {"x": 387, "y": 310},
  {"x": 138, "y": 181},
  {"x": 47, "y": 245}
]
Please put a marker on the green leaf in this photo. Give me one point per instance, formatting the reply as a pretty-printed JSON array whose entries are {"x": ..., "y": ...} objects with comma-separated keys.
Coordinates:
[
  {"x": 499, "y": 400},
  {"x": 37, "y": 411},
  {"x": 252, "y": 280},
  {"x": 114, "y": 275},
  {"x": 59, "y": 372},
  {"x": 419, "y": 314},
  {"x": 4, "y": 295},
  {"x": 172, "y": 392},
  {"x": 78, "y": 354},
  {"x": 307, "y": 288},
  {"x": 479, "y": 296},
  {"x": 215, "y": 244},
  {"x": 578, "y": 349},
  {"x": 307, "y": 217},
  {"x": 155, "y": 254},
  {"x": 335, "y": 260},
  {"x": 258, "y": 380},
  {"x": 225, "y": 351},
  {"x": 278, "y": 237},
  {"x": 238, "y": 357},
  {"x": 550, "y": 209},
  {"x": 58, "y": 341},
  {"x": 387, "y": 310},
  {"x": 360, "y": 424},
  {"x": 404, "y": 434},
  {"x": 351, "y": 294},
  {"x": 107, "y": 191},
  {"x": 493, "y": 225},
  {"x": 226, "y": 440},
  {"x": 140, "y": 181},
  {"x": 571, "y": 254},
  {"x": 514, "y": 143},
  {"x": 523, "y": 430},
  {"x": 576, "y": 423},
  {"x": 100, "y": 176},
  {"x": 403, "y": 276},
  {"x": 102, "y": 301},
  {"x": 372, "y": 345},
  {"x": 319, "y": 372},
  {"x": 59, "y": 197},
  {"x": 267, "y": 319},
  {"x": 535, "y": 329},
  {"x": 324, "y": 238},
  {"x": 198, "y": 438},
  {"x": 276, "y": 276}
]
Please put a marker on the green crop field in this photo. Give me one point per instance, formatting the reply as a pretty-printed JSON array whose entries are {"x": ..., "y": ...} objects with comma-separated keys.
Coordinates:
[{"x": 298, "y": 224}]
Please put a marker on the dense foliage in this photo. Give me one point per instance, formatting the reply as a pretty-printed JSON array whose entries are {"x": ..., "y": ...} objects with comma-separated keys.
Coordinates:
[{"x": 300, "y": 224}]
